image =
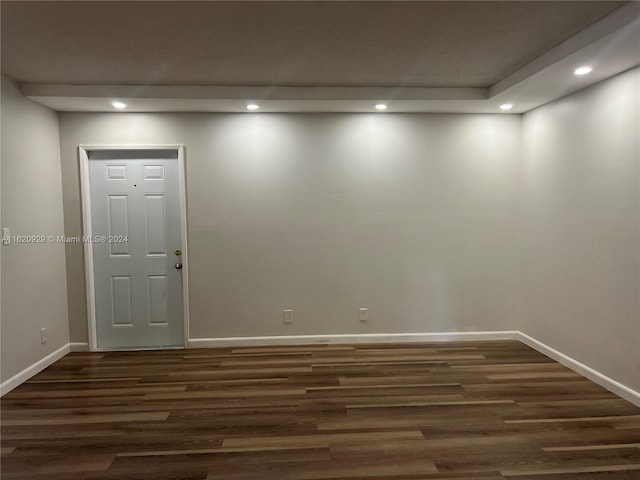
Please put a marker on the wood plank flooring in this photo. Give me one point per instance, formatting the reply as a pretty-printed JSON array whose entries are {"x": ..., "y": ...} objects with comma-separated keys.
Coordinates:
[{"x": 459, "y": 410}]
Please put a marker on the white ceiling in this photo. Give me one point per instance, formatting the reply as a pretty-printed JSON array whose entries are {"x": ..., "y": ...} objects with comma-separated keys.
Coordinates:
[{"x": 313, "y": 56}]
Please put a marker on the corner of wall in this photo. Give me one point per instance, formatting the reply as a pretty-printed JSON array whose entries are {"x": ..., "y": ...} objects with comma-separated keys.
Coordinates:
[{"x": 33, "y": 277}]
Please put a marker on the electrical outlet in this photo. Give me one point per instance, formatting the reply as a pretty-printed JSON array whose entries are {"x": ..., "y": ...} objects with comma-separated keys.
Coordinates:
[
  {"x": 363, "y": 315},
  {"x": 288, "y": 317},
  {"x": 43, "y": 336}
]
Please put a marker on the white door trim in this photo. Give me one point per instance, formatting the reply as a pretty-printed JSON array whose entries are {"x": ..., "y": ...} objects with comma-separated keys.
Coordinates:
[{"x": 83, "y": 157}]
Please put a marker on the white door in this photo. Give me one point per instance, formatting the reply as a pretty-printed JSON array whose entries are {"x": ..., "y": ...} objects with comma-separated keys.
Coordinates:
[{"x": 136, "y": 242}]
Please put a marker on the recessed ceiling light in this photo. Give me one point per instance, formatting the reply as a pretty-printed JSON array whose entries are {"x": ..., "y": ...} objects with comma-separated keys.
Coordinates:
[
  {"x": 583, "y": 70},
  {"x": 253, "y": 106},
  {"x": 381, "y": 107},
  {"x": 119, "y": 105},
  {"x": 506, "y": 106}
]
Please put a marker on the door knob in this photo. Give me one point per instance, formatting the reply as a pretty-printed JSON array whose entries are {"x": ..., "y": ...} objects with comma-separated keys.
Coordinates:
[{"x": 179, "y": 266}]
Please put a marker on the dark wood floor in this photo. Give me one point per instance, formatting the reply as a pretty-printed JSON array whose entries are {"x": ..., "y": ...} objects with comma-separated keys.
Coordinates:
[{"x": 481, "y": 410}]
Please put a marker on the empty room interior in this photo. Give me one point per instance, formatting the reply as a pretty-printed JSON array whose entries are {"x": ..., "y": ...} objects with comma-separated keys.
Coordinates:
[{"x": 315, "y": 240}]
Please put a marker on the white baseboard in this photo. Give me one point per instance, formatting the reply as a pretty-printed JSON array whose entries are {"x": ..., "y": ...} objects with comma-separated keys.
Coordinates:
[
  {"x": 79, "y": 346},
  {"x": 29, "y": 372},
  {"x": 615, "y": 387},
  {"x": 350, "y": 338}
]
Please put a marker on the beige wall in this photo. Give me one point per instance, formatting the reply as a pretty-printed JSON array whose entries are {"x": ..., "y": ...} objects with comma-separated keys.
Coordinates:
[
  {"x": 34, "y": 289},
  {"x": 412, "y": 216},
  {"x": 580, "y": 273}
]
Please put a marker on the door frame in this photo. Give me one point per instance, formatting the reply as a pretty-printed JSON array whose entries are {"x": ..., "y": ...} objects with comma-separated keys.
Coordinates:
[{"x": 85, "y": 192}]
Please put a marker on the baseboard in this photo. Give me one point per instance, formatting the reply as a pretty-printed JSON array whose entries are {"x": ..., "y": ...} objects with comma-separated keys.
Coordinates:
[
  {"x": 79, "y": 346},
  {"x": 615, "y": 387},
  {"x": 351, "y": 338},
  {"x": 32, "y": 370}
]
